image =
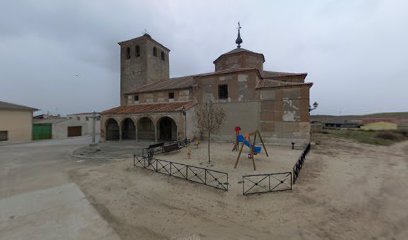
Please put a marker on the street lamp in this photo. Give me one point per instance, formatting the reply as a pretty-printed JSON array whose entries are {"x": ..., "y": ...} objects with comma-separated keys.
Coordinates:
[{"x": 315, "y": 105}]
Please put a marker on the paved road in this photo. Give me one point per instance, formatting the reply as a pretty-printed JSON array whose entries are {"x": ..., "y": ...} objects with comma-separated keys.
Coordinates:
[{"x": 38, "y": 199}]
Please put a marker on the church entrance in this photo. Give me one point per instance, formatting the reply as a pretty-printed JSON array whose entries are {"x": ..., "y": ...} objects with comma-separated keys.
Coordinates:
[
  {"x": 128, "y": 129},
  {"x": 112, "y": 130},
  {"x": 167, "y": 129}
]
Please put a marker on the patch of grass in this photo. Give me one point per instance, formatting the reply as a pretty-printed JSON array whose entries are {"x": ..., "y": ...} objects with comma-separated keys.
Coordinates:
[{"x": 371, "y": 137}]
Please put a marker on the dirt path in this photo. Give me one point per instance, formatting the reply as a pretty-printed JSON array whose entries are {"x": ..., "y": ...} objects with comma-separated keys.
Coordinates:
[{"x": 346, "y": 191}]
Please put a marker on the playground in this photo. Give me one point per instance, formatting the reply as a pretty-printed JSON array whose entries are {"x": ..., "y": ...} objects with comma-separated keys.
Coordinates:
[
  {"x": 346, "y": 190},
  {"x": 280, "y": 159}
]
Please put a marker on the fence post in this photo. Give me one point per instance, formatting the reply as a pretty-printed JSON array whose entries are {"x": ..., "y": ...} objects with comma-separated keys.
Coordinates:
[
  {"x": 156, "y": 165},
  {"x": 227, "y": 182},
  {"x": 186, "y": 172},
  {"x": 243, "y": 185},
  {"x": 134, "y": 160},
  {"x": 205, "y": 176}
]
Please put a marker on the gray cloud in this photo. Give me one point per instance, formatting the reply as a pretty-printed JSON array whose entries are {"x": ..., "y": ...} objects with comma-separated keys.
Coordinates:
[{"x": 354, "y": 51}]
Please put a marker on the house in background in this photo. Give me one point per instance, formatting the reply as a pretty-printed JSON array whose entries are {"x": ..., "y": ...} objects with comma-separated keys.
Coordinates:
[
  {"x": 341, "y": 124},
  {"x": 16, "y": 122},
  {"x": 86, "y": 120},
  {"x": 56, "y": 127}
]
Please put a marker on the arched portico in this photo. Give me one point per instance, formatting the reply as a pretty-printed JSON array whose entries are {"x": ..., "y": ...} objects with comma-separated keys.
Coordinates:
[
  {"x": 167, "y": 129},
  {"x": 145, "y": 129},
  {"x": 112, "y": 130},
  {"x": 128, "y": 129}
]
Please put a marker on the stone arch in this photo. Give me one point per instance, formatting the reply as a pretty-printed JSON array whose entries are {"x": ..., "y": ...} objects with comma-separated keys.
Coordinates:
[
  {"x": 145, "y": 129},
  {"x": 112, "y": 129},
  {"x": 167, "y": 129},
  {"x": 128, "y": 129}
]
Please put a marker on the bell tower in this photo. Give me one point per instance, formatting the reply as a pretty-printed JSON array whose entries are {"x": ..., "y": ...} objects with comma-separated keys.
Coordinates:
[{"x": 143, "y": 60}]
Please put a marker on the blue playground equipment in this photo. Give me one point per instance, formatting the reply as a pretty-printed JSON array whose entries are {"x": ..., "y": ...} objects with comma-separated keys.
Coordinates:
[{"x": 256, "y": 149}]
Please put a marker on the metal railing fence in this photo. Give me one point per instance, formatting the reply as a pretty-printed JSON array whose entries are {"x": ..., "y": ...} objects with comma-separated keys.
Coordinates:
[{"x": 209, "y": 177}]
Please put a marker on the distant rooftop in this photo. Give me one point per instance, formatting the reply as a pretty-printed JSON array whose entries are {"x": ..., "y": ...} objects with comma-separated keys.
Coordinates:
[{"x": 12, "y": 106}]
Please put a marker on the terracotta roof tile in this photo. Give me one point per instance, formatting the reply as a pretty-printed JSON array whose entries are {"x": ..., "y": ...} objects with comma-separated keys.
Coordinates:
[
  {"x": 272, "y": 74},
  {"x": 153, "y": 107},
  {"x": 270, "y": 83},
  {"x": 173, "y": 83},
  {"x": 238, "y": 51}
]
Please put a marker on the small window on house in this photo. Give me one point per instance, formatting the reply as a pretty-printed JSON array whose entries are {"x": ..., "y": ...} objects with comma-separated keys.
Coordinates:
[
  {"x": 223, "y": 91},
  {"x": 136, "y": 98},
  {"x": 137, "y": 50},
  {"x": 162, "y": 56},
  {"x": 78, "y": 118},
  {"x": 87, "y": 118},
  {"x": 171, "y": 95},
  {"x": 155, "y": 51},
  {"x": 3, "y": 135},
  {"x": 128, "y": 52}
]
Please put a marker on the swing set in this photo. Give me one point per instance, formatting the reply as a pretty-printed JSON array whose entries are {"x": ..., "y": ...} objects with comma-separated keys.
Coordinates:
[{"x": 254, "y": 150}]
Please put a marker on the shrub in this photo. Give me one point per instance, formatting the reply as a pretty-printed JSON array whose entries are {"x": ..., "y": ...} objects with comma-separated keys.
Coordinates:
[{"x": 387, "y": 136}]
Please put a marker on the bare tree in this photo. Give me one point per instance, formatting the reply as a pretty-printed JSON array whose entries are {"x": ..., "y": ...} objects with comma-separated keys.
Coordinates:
[{"x": 209, "y": 118}]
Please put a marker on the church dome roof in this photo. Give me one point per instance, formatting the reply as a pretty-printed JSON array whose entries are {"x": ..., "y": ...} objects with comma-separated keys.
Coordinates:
[{"x": 237, "y": 51}]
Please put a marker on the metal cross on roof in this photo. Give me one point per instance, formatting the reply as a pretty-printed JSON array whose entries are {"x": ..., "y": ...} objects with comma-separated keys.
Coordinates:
[{"x": 239, "y": 39}]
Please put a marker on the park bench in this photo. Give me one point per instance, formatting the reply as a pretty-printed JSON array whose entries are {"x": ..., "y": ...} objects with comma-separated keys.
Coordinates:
[{"x": 169, "y": 147}]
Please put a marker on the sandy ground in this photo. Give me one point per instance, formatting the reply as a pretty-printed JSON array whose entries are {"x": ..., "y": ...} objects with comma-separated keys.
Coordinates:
[
  {"x": 37, "y": 197},
  {"x": 60, "y": 212},
  {"x": 346, "y": 190}
]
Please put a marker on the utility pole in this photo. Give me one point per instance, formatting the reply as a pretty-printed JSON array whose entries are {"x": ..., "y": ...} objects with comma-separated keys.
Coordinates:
[{"x": 94, "y": 116}]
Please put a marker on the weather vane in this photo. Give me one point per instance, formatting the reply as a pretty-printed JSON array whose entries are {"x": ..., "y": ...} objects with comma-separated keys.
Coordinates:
[{"x": 239, "y": 40}]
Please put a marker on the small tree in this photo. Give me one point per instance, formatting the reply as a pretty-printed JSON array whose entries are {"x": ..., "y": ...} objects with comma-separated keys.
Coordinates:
[{"x": 209, "y": 118}]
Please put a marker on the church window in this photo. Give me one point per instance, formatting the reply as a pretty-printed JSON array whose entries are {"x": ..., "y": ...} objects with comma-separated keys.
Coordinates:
[
  {"x": 155, "y": 51},
  {"x": 171, "y": 95},
  {"x": 128, "y": 52},
  {"x": 223, "y": 91},
  {"x": 162, "y": 56},
  {"x": 137, "y": 51}
]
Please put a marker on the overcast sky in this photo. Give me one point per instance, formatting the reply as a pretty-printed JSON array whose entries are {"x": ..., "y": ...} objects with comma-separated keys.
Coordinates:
[{"x": 355, "y": 51}]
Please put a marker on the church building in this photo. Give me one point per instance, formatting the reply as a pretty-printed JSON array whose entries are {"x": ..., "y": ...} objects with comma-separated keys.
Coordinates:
[{"x": 158, "y": 108}]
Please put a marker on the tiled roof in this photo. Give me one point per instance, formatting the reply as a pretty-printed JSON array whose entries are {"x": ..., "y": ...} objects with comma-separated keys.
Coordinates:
[
  {"x": 271, "y": 74},
  {"x": 173, "y": 83},
  {"x": 153, "y": 107},
  {"x": 147, "y": 36},
  {"x": 239, "y": 50},
  {"x": 12, "y": 106},
  {"x": 270, "y": 83},
  {"x": 226, "y": 71}
]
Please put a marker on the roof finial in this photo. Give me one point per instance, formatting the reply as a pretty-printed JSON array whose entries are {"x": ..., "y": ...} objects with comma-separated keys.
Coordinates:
[{"x": 239, "y": 40}]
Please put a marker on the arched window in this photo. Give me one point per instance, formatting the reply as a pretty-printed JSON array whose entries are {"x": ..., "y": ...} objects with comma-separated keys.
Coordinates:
[
  {"x": 162, "y": 55},
  {"x": 128, "y": 52},
  {"x": 137, "y": 48},
  {"x": 155, "y": 51}
]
